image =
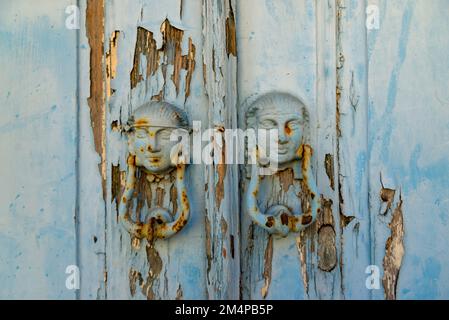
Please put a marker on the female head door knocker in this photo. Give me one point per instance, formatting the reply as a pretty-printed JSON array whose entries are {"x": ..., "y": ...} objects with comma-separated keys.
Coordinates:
[
  {"x": 152, "y": 151},
  {"x": 288, "y": 115}
]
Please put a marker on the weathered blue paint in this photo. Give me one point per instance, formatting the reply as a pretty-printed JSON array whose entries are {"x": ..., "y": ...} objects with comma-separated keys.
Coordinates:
[
  {"x": 287, "y": 46},
  {"x": 378, "y": 116},
  {"x": 38, "y": 143},
  {"x": 408, "y": 129}
]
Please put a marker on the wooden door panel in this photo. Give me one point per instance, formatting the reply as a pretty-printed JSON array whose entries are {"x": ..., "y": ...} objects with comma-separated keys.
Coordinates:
[
  {"x": 373, "y": 102},
  {"x": 173, "y": 268},
  {"x": 408, "y": 125},
  {"x": 175, "y": 52},
  {"x": 289, "y": 46},
  {"x": 38, "y": 143}
]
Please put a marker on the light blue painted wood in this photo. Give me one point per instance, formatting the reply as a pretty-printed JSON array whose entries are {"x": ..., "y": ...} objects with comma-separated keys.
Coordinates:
[
  {"x": 408, "y": 137},
  {"x": 179, "y": 263},
  {"x": 91, "y": 205},
  {"x": 38, "y": 149},
  {"x": 392, "y": 118},
  {"x": 289, "y": 46},
  {"x": 352, "y": 180}
]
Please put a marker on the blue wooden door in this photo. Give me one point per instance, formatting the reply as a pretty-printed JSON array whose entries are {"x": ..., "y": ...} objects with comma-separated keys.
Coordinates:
[{"x": 367, "y": 78}]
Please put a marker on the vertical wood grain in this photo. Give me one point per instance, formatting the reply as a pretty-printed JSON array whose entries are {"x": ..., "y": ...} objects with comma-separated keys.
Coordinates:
[
  {"x": 408, "y": 130},
  {"x": 289, "y": 46},
  {"x": 222, "y": 204},
  {"x": 38, "y": 150}
]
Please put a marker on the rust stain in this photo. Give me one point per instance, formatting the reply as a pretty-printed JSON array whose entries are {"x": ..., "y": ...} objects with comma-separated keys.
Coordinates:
[
  {"x": 96, "y": 100},
  {"x": 268, "y": 258},
  {"x": 329, "y": 165},
  {"x": 327, "y": 249},
  {"x": 231, "y": 39},
  {"x": 394, "y": 252},
  {"x": 141, "y": 122},
  {"x": 288, "y": 131}
]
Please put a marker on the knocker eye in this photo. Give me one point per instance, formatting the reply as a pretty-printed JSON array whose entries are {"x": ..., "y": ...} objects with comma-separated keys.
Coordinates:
[
  {"x": 267, "y": 124},
  {"x": 293, "y": 125}
]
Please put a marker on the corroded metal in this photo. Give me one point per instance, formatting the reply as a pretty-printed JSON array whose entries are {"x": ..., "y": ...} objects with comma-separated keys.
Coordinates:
[
  {"x": 288, "y": 115},
  {"x": 152, "y": 150}
]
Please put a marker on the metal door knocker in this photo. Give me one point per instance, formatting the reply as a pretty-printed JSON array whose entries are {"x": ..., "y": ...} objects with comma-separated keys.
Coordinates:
[
  {"x": 288, "y": 115},
  {"x": 152, "y": 150}
]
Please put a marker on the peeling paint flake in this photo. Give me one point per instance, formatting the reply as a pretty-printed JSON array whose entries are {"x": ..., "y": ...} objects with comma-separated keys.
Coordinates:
[
  {"x": 268, "y": 265},
  {"x": 231, "y": 38},
  {"x": 111, "y": 62},
  {"x": 327, "y": 249},
  {"x": 387, "y": 196},
  {"x": 302, "y": 250},
  {"x": 155, "y": 264},
  {"x": 96, "y": 100},
  {"x": 145, "y": 45},
  {"x": 171, "y": 50},
  {"x": 394, "y": 252},
  {"x": 329, "y": 165}
]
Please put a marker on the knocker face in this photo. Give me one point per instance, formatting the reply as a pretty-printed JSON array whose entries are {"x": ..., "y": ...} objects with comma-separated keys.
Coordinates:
[
  {"x": 151, "y": 149},
  {"x": 285, "y": 114},
  {"x": 288, "y": 126},
  {"x": 150, "y": 138},
  {"x": 288, "y": 117}
]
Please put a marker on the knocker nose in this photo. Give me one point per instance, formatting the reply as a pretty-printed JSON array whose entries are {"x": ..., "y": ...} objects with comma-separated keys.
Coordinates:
[
  {"x": 153, "y": 146},
  {"x": 283, "y": 136}
]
